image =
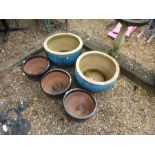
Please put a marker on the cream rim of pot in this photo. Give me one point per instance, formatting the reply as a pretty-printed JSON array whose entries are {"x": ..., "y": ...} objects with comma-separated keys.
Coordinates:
[
  {"x": 92, "y": 81},
  {"x": 63, "y": 53}
]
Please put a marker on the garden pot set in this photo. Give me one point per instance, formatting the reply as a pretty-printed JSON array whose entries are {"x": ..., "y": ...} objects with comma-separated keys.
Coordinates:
[{"x": 94, "y": 71}]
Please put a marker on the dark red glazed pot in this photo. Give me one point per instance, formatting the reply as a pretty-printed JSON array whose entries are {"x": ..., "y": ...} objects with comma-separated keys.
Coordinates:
[
  {"x": 36, "y": 66},
  {"x": 56, "y": 82},
  {"x": 79, "y": 104}
]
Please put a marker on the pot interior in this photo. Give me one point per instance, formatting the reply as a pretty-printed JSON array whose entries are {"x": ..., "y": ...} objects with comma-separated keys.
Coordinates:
[
  {"x": 55, "y": 82},
  {"x": 36, "y": 66},
  {"x": 63, "y": 43},
  {"x": 97, "y": 67},
  {"x": 79, "y": 103}
]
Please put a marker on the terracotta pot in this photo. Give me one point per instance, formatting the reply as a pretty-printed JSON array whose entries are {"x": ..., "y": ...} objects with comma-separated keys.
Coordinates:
[
  {"x": 63, "y": 49},
  {"x": 96, "y": 71},
  {"x": 79, "y": 104},
  {"x": 36, "y": 66},
  {"x": 56, "y": 82}
]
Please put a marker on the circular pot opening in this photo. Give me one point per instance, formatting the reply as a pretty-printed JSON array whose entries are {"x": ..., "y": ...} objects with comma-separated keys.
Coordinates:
[
  {"x": 62, "y": 43},
  {"x": 56, "y": 82},
  {"x": 36, "y": 66},
  {"x": 79, "y": 104},
  {"x": 97, "y": 67}
]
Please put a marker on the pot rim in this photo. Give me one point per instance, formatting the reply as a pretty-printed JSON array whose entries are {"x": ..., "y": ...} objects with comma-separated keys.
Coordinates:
[
  {"x": 36, "y": 56},
  {"x": 55, "y": 70},
  {"x": 96, "y": 82},
  {"x": 79, "y": 117},
  {"x": 63, "y": 53}
]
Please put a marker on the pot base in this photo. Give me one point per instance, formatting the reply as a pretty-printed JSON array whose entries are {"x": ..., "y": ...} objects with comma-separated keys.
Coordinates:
[{"x": 95, "y": 75}]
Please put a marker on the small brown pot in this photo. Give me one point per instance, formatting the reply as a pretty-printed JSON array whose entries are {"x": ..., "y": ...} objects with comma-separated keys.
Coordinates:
[
  {"x": 79, "y": 104},
  {"x": 56, "y": 82},
  {"x": 36, "y": 66}
]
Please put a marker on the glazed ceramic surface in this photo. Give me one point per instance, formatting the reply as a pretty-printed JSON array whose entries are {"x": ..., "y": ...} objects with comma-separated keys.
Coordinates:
[
  {"x": 63, "y": 49},
  {"x": 96, "y": 71},
  {"x": 56, "y": 82},
  {"x": 79, "y": 104},
  {"x": 36, "y": 66}
]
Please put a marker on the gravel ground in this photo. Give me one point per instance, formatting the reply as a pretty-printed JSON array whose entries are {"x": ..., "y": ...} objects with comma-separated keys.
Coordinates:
[
  {"x": 22, "y": 40},
  {"x": 125, "y": 109},
  {"x": 98, "y": 29},
  {"x": 19, "y": 41},
  {"x": 121, "y": 110}
]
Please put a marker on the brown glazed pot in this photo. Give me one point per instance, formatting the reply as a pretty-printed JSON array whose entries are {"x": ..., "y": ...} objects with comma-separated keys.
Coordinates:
[
  {"x": 56, "y": 82},
  {"x": 36, "y": 66},
  {"x": 79, "y": 104}
]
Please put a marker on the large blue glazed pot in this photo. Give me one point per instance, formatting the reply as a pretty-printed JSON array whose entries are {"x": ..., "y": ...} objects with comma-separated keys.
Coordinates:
[
  {"x": 96, "y": 71},
  {"x": 63, "y": 49}
]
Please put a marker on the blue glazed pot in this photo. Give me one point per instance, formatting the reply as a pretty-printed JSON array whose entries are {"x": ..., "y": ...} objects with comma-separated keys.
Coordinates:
[
  {"x": 63, "y": 49},
  {"x": 96, "y": 71}
]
